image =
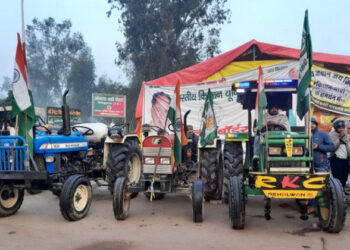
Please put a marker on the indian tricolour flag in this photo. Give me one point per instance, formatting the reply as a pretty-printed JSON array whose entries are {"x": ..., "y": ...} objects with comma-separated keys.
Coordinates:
[
  {"x": 305, "y": 64},
  {"x": 260, "y": 101},
  {"x": 174, "y": 115},
  {"x": 22, "y": 103}
]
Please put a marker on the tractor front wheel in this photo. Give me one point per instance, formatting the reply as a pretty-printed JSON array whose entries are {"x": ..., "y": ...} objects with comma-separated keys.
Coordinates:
[
  {"x": 197, "y": 201},
  {"x": 10, "y": 199},
  {"x": 75, "y": 198},
  {"x": 236, "y": 202},
  {"x": 331, "y": 208},
  {"x": 121, "y": 199}
]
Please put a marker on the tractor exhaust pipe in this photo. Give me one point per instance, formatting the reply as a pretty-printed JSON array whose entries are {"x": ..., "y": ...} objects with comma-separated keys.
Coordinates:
[
  {"x": 65, "y": 115},
  {"x": 185, "y": 121}
]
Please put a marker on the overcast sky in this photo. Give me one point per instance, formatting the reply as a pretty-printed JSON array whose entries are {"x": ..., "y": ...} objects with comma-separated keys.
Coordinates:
[{"x": 271, "y": 21}]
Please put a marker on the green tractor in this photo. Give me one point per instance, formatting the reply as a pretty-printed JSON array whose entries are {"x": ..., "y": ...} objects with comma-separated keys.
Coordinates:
[{"x": 284, "y": 167}]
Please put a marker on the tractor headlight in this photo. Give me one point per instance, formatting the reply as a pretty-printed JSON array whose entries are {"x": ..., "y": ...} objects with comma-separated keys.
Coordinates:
[
  {"x": 115, "y": 132},
  {"x": 165, "y": 160},
  {"x": 298, "y": 151},
  {"x": 49, "y": 159},
  {"x": 149, "y": 160},
  {"x": 275, "y": 150}
]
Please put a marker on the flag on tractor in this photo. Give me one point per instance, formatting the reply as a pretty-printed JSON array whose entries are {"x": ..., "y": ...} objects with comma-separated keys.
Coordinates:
[
  {"x": 305, "y": 64},
  {"x": 260, "y": 102},
  {"x": 22, "y": 102},
  {"x": 209, "y": 126},
  {"x": 174, "y": 115}
]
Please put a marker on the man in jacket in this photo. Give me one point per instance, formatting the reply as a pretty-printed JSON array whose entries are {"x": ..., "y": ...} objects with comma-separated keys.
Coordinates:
[
  {"x": 340, "y": 157},
  {"x": 322, "y": 144}
]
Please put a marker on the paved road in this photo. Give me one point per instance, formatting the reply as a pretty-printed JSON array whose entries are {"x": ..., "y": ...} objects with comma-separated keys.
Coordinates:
[{"x": 165, "y": 224}]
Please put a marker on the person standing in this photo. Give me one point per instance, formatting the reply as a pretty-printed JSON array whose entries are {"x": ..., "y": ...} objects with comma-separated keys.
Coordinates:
[
  {"x": 194, "y": 144},
  {"x": 340, "y": 157},
  {"x": 322, "y": 144}
]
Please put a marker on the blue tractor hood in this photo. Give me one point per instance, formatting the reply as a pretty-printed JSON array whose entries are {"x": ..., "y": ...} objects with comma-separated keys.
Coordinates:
[{"x": 44, "y": 144}]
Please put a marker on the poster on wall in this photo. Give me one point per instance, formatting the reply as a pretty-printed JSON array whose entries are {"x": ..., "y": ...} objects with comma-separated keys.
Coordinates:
[
  {"x": 54, "y": 116},
  {"x": 108, "y": 105}
]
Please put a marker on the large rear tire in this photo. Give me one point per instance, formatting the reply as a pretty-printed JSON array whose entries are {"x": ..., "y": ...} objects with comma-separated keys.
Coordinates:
[
  {"x": 233, "y": 164},
  {"x": 210, "y": 167},
  {"x": 10, "y": 199},
  {"x": 121, "y": 199},
  {"x": 124, "y": 160},
  {"x": 331, "y": 207},
  {"x": 75, "y": 199},
  {"x": 236, "y": 203},
  {"x": 197, "y": 201}
]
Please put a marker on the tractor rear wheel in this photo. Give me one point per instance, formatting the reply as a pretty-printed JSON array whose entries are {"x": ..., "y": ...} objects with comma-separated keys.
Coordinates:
[
  {"x": 121, "y": 199},
  {"x": 233, "y": 164},
  {"x": 331, "y": 208},
  {"x": 10, "y": 199},
  {"x": 124, "y": 160},
  {"x": 236, "y": 202},
  {"x": 197, "y": 201},
  {"x": 75, "y": 199},
  {"x": 210, "y": 172}
]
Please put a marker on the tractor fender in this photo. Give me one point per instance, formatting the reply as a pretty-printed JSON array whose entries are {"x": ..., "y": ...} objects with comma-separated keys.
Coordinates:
[{"x": 109, "y": 142}]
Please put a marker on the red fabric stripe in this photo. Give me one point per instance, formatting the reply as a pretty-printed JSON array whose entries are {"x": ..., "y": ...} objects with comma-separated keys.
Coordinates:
[{"x": 20, "y": 59}]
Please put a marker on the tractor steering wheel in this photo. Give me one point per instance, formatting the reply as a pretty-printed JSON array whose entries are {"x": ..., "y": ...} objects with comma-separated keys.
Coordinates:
[
  {"x": 273, "y": 127},
  {"x": 88, "y": 131},
  {"x": 44, "y": 127}
]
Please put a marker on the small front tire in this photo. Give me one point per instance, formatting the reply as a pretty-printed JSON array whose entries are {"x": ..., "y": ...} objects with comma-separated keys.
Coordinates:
[
  {"x": 331, "y": 208},
  {"x": 236, "y": 202},
  {"x": 121, "y": 199},
  {"x": 197, "y": 201},
  {"x": 75, "y": 198}
]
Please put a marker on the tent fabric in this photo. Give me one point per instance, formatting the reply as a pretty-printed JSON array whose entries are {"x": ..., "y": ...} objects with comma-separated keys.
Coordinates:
[{"x": 203, "y": 70}]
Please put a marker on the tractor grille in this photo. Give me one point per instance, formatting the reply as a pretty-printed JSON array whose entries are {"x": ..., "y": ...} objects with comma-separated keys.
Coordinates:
[
  {"x": 288, "y": 167},
  {"x": 148, "y": 151},
  {"x": 12, "y": 158},
  {"x": 161, "y": 169}
]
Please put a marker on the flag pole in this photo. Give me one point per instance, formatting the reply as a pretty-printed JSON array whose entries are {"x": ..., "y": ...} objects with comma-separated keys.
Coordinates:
[{"x": 25, "y": 60}]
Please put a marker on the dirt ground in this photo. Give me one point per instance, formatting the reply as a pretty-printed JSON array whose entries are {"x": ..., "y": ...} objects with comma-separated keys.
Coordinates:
[{"x": 163, "y": 224}]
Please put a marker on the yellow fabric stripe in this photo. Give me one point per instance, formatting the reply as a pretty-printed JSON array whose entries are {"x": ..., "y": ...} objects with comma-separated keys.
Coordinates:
[{"x": 237, "y": 67}]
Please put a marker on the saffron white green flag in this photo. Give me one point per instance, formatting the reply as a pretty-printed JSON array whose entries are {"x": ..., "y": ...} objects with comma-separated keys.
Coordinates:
[
  {"x": 174, "y": 115},
  {"x": 305, "y": 64},
  {"x": 209, "y": 126},
  {"x": 22, "y": 103}
]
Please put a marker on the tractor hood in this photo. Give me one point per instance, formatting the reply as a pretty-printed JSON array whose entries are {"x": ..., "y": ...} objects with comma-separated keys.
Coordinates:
[{"x": 60, "y": 143}]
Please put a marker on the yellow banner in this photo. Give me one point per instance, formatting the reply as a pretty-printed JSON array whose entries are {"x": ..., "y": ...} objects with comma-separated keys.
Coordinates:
[
  {"x": 331, "y": 90},
  {"x": 290, "y": 194},
  {"x": 238, "y": 67}
]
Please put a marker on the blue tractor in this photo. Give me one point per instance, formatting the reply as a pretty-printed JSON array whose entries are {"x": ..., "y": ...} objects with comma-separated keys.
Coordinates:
[{"x": 64, "y": 162}]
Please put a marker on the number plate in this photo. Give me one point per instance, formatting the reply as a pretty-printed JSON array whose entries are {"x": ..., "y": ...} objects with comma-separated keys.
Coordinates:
[{"x": 289, "y": 146}]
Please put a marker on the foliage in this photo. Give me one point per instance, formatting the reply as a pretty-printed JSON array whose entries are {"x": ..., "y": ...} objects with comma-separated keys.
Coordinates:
[
  {"x": 81, "y": 83},
  {"x": 51, "y": 49},
  {"x": 166, "y": 36}
]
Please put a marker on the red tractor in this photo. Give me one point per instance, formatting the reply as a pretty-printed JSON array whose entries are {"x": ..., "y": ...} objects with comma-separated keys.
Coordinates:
[{"x": 161, "y": 175}]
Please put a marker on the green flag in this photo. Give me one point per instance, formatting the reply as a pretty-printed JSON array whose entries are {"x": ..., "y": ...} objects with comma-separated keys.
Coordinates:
[
  {"x": 22, "y": 103},
  {"x": 209, "y": 127},
  {"x": 305, "y": 64}
]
